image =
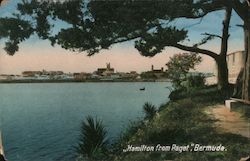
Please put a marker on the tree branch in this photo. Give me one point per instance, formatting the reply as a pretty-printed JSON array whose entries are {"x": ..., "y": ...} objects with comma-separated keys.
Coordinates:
[
  {"x": 136, "y": 34},
  {"x": 197, "y": 23},
  {"x": 125, "y": 39},
  {"x": 196, "y": 50},
  {"x": 213, "y": 35},
  {"x": 206, "y": 7},
  {"x": 240, "y": 9}
]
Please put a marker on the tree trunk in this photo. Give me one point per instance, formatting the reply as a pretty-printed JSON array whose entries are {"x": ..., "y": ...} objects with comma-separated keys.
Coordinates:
[
  {"x": 222, "y": 75},
  {"x": 246, "y": 72},
  {"x": 222, "y": 59}
]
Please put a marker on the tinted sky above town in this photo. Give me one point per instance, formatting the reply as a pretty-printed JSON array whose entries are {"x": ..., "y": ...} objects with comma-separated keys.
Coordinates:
[{"x": 36, "y": 54}]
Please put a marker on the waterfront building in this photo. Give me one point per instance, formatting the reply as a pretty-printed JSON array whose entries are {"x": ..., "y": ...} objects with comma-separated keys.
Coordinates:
[
  {"x": 154, "y": 73},
  {"x": 81, "y": 76},
  {"x": 31, "y": 73},
  {"x": 94, "y": 76},
  {"x": 158, "y": 73},
  {"x": 51, "y": 73},
  {"x": 105, "y": 71},
  {"x": 67, "y": 76},
  {"x": 6, "y": 77},
  {"x": 115, "y": 76},
  {"x": 133, "y": 74},
  {"x": 42, "y": 77}
]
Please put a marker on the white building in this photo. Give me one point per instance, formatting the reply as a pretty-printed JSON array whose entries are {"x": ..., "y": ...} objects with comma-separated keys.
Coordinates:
[{"x": 235, "y": 62}]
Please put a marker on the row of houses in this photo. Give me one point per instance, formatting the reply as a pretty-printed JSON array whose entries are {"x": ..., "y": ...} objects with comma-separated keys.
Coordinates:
[
  {"x": 106, "y": 73},
  {"x": 154, "y": 73},
  {"x": 39, "y": 73},
  {"x": 46, "y": 75}
]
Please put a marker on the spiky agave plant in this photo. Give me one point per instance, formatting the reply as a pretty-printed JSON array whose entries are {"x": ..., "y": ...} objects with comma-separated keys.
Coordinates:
[
  {"x": 93, "y": 142},
  {"x": 149, "y": 110}
]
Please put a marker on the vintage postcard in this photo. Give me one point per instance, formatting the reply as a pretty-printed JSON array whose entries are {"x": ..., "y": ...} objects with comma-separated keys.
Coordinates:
[{"x": 124, "y": 80}]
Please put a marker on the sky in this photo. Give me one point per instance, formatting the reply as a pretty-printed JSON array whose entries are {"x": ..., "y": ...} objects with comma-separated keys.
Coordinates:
[{"x": 36, "y": 54}]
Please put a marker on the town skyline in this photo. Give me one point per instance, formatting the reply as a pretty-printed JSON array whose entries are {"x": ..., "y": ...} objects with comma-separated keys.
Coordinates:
[
  {"x": 107, "y": 73},
  {"x": 100, "y": 67}
]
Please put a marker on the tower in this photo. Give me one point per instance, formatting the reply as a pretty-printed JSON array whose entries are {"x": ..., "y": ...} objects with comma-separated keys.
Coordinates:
[{"x": 108, "y": 66}]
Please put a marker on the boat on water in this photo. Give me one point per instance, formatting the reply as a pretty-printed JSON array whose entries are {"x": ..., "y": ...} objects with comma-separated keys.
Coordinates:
[{"x": 142, "y": 89}]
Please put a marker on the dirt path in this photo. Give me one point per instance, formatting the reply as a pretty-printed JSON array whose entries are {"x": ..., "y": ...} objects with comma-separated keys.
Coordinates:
[{"x": 230, "y": 121}]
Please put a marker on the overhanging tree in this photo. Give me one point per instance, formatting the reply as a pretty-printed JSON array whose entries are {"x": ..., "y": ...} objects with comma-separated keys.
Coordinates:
[{"x": 97, "y": 25}]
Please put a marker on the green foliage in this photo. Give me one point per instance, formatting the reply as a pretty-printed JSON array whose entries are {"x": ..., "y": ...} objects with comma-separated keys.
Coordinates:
[
  {"x": 93, "y": 141},
  {"x": 194, "y": 82},
  {"x": 184, "y": 122},
  {"x": 238, "y": 86},
  {"x": 15, "y": 31},
  {"x": 180, "y": 122},
  {"x": 126, "y": 135},
  {"x": 152, "y": 43},
  {"x": 179, "y": 65},
  {"x": 205, "y": 95},
  {"x": 149, "y": 110},
  {"x": 148, "y": 75},
  {"x": 208, "y": 37},
  {"x": 100, "y": 24}
]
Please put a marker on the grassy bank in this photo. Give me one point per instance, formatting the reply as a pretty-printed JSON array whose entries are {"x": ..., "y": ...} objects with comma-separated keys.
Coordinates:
[{"x": 181, "y": 122}]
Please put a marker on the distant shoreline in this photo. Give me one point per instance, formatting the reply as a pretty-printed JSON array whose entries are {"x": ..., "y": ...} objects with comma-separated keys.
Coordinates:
[{"x": 79, "y": 81}]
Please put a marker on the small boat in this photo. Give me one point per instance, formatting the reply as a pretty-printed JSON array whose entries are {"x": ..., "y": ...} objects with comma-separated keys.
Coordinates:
[{"x": 142, "y": 89}]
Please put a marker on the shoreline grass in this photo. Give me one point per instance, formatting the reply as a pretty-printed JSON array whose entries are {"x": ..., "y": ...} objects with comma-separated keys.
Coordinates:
[{"x": 181, "y": 122}]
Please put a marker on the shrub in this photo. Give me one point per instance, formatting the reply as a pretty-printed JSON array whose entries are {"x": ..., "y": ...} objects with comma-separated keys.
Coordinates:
[
  {"x": 149, "y": 110},
  {"x": 195, "y": 81},
  {"x": 207, "y": 95},
  {"x": 179, "y": 65},
  {"x": 126, "y": 135},
  {"x": 93, "y": 141}
]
